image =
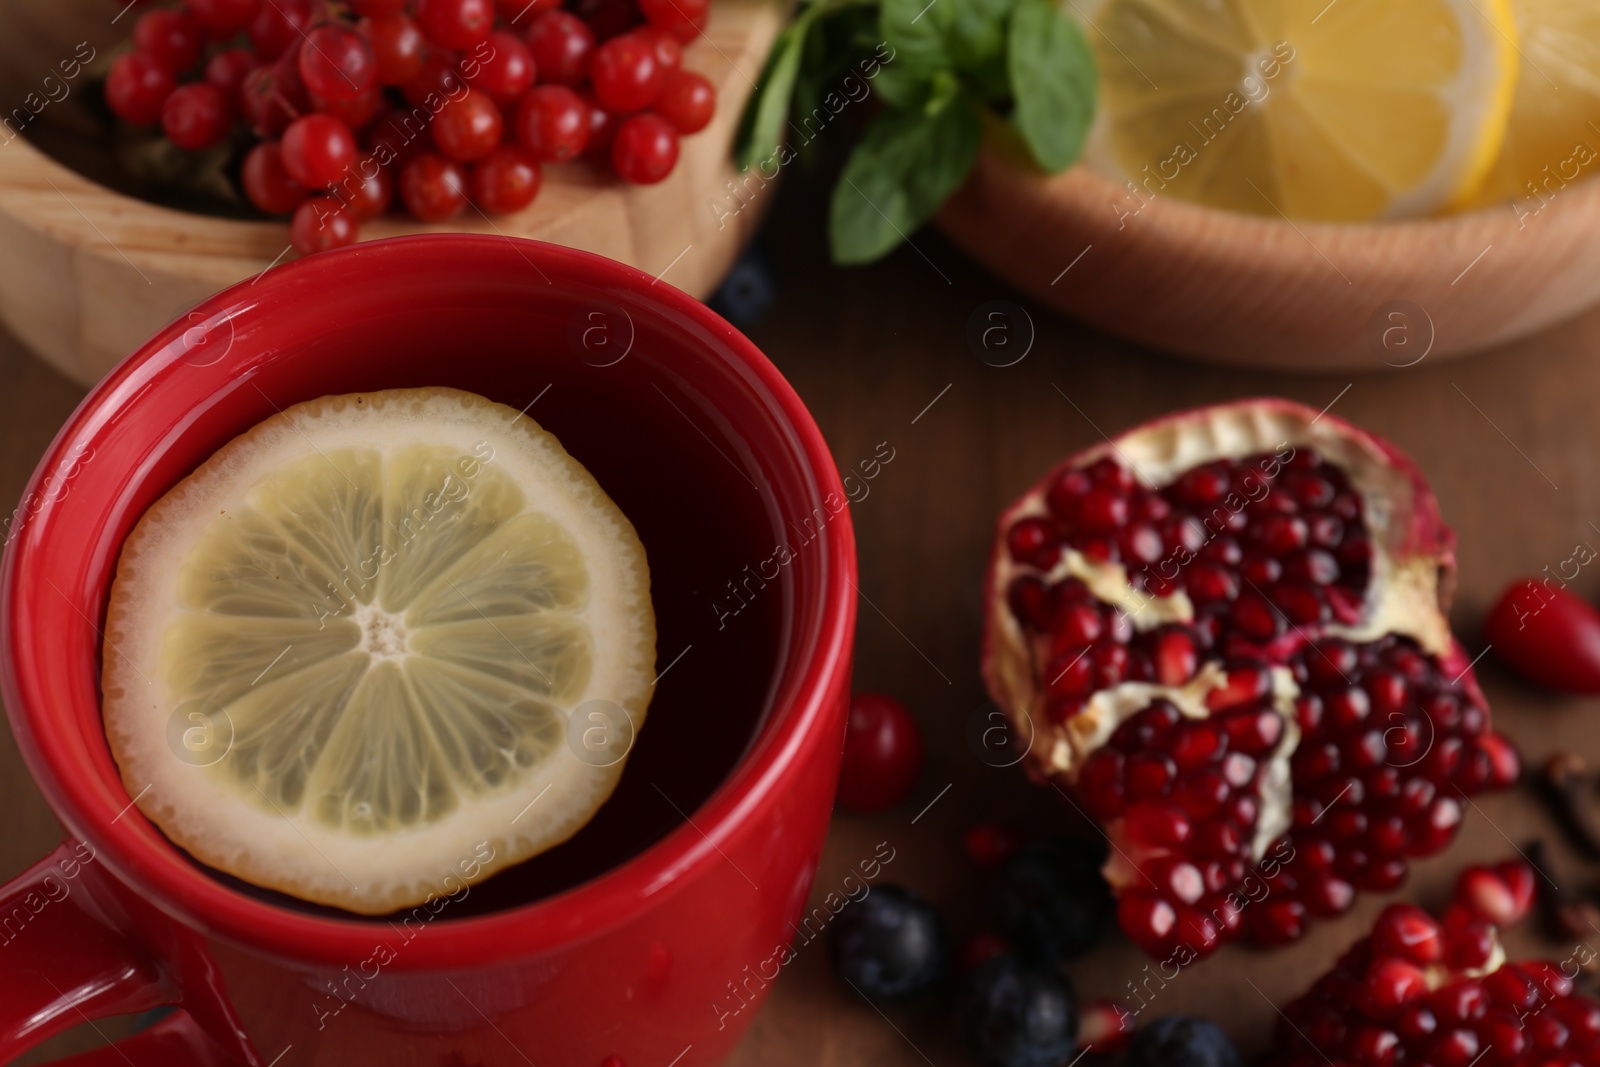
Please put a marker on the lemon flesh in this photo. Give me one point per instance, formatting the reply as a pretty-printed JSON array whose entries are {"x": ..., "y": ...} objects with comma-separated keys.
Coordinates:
[
  {"x": 1554, "y": 135},
  {"x": 377, "y": 648},
  {"x": 1345, "y": 111}
]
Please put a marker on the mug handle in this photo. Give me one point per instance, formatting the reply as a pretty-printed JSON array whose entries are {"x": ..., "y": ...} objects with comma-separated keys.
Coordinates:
[{"x": 62, "y": 963}]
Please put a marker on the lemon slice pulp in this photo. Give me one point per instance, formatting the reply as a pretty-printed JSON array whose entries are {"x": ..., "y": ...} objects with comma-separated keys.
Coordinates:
[
  {"x": 1346, "y": 111},
  {"x": 1554, "y": 134},
  {"x": 377, "y": 648}
]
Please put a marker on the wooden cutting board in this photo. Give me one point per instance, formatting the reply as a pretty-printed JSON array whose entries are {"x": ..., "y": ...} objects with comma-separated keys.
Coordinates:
[{"x": 1509, "y": 439}]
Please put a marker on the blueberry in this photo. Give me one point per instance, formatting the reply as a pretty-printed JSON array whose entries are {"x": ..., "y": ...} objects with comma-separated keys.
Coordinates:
[
  {"x": 1050, "y": 899},
  {"x": 889, "y": 944},
  {"x": 748, "y": 291},
  {"x": 1179, "y": 1041},
  {"x": 1017, "y": 1013}
]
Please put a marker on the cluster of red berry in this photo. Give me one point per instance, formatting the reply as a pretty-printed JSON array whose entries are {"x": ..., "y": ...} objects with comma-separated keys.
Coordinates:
[{"x": 444, "y": 102}]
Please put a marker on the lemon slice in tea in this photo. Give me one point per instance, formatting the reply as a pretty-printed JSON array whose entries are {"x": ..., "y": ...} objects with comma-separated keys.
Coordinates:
[
  {"x": 378, "y": 647},
  {"x": 1340, "y": 110}
]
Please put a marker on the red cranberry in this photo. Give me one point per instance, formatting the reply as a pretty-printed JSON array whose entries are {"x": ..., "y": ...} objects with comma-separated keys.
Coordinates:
[{"x": 882, "y": 754}]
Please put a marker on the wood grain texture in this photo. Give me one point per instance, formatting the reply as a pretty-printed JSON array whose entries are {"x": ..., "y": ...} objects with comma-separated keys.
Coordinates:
[
  {"x": 869, "y": 350},
  {"x": 87, "y": 273},
  {"x": 1266, "y": 292}
]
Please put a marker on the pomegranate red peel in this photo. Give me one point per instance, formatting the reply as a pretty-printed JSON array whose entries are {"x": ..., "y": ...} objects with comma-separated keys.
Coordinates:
[
  {"x": 1548, "y": 634},
  {"x": 1226, "y": 622}
]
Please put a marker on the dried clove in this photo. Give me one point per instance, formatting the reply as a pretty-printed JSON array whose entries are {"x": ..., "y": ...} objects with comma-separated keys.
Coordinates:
[
  {"x": 1566, "y": 916},
  {"x": 1564, "y": 782}
]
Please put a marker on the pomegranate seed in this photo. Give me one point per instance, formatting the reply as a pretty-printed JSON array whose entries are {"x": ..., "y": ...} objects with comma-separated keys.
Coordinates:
[
  {"x": 1442, "y": 818},
  {"x": 1178, "y": 879},
  {"x": 990, "y": 846},
  {"x": 1407, "y": 931},
  {"x": 1032, "y": 541},
  {"x": 1469, "y": 945},
  {"x": 1455, "y": 1048},
  {"x": 1278, "y": 922},
  {"x": 1110, "y": 664},
  {"x": 1308, "y": 489},
  {"x": 1203, "y": 485},
  {"x": 1488, "y": 896},
  {"x": 1373, "y": 1045},
  {"x": 1176, "y": 658},
  {"x": 1103, "y": 511},
  {"x": 1147, "y": 919},
  {"x": 1157, "y": 825},
  {"x": 1260, "y": 571},
  {"x": 1219, "y": 839},
  {"x": 1244, "y": 685},
  {"x": 1301, "y": 604},
  {"x": 1329, "y": 897},
  {"x": 1202, "y": 795},
  {"x": 1282, "y": 534},
  {"x": 1390, "y": 985},
  {"x": 1505, "y": 1034},
  {"x": 1183, "y": 533},
  {"x": 1079, "y": 624},
  {"x": 1255, "y": 618},
  {"x": 1195, "y": 745},
  {"x": 1254, "y": 733},
  {"x": 1071, "y": 673},
  {"x": 1066, "y": 492},
  {"x": 1347, "y": 707},
  {"x": 1141, "y": 543},
  {"x": 1033, "y": 602},
  {"x": 1150, "y": 774},
  {"x": 1112, "y": 475},
  {"x": 1548, "y": 634},
  {"x": 1147, "y": 507},
  {"x": 1210, "y": 583},
  {"x": 1100, "y": 784}
]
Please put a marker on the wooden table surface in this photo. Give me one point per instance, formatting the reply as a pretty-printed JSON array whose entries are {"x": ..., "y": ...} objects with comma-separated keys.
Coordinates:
[{"x": 1510, "y": 439}]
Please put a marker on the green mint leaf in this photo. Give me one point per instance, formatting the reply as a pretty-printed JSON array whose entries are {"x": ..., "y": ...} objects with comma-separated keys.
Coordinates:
[
  {"x": 900, "y": 86},
  {"x": 974, "y": 30},
  {"x": 915, "y": 33},
  {"x": 1053, "y": 81},
  {"x": 762, "y": 124},
  {"x": 898, "y": 175}
]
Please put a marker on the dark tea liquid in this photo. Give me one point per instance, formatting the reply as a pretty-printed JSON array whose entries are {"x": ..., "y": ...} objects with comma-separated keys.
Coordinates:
[{"x": 702, "y": 521}]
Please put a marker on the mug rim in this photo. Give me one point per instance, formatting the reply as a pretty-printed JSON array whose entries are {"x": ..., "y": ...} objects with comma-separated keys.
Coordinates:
[{"x": 142, "y": 857}]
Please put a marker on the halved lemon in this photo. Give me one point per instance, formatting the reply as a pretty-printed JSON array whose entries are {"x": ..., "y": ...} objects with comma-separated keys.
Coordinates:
[
  {"x": 1554, "y": 135},
  {"x": 1316, "y": 109},
  {"x": 377, "y": 648}
]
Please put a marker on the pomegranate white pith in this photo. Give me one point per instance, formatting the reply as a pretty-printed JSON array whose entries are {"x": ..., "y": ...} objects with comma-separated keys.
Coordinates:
[{"x": 1280, "y": 576}]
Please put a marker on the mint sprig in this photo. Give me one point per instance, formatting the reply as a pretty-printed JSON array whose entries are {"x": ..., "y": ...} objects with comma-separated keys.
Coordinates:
[{"x": 942, "y": 67}]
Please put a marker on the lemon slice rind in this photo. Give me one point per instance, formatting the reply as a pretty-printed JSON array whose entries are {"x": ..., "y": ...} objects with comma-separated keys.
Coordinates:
[{"x": 1421, "y": 141}]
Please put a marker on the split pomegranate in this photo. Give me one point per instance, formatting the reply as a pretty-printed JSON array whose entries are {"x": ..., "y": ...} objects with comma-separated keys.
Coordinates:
[
  {"x": 1439, "y": 991},
  {"x": 1225, "y": 632}
]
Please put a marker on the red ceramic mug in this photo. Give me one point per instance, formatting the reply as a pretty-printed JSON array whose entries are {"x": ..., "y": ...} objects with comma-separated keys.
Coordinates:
[{"x": 650, "y": 958}]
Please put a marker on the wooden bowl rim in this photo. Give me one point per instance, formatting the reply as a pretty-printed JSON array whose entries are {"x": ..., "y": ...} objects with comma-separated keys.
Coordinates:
[{"x": 1082, "y": 188}]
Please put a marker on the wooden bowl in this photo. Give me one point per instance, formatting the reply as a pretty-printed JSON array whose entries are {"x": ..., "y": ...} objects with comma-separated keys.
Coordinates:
[
  {"x": 87, "y": 273},
  {"x": 1266, "y": 292}
]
